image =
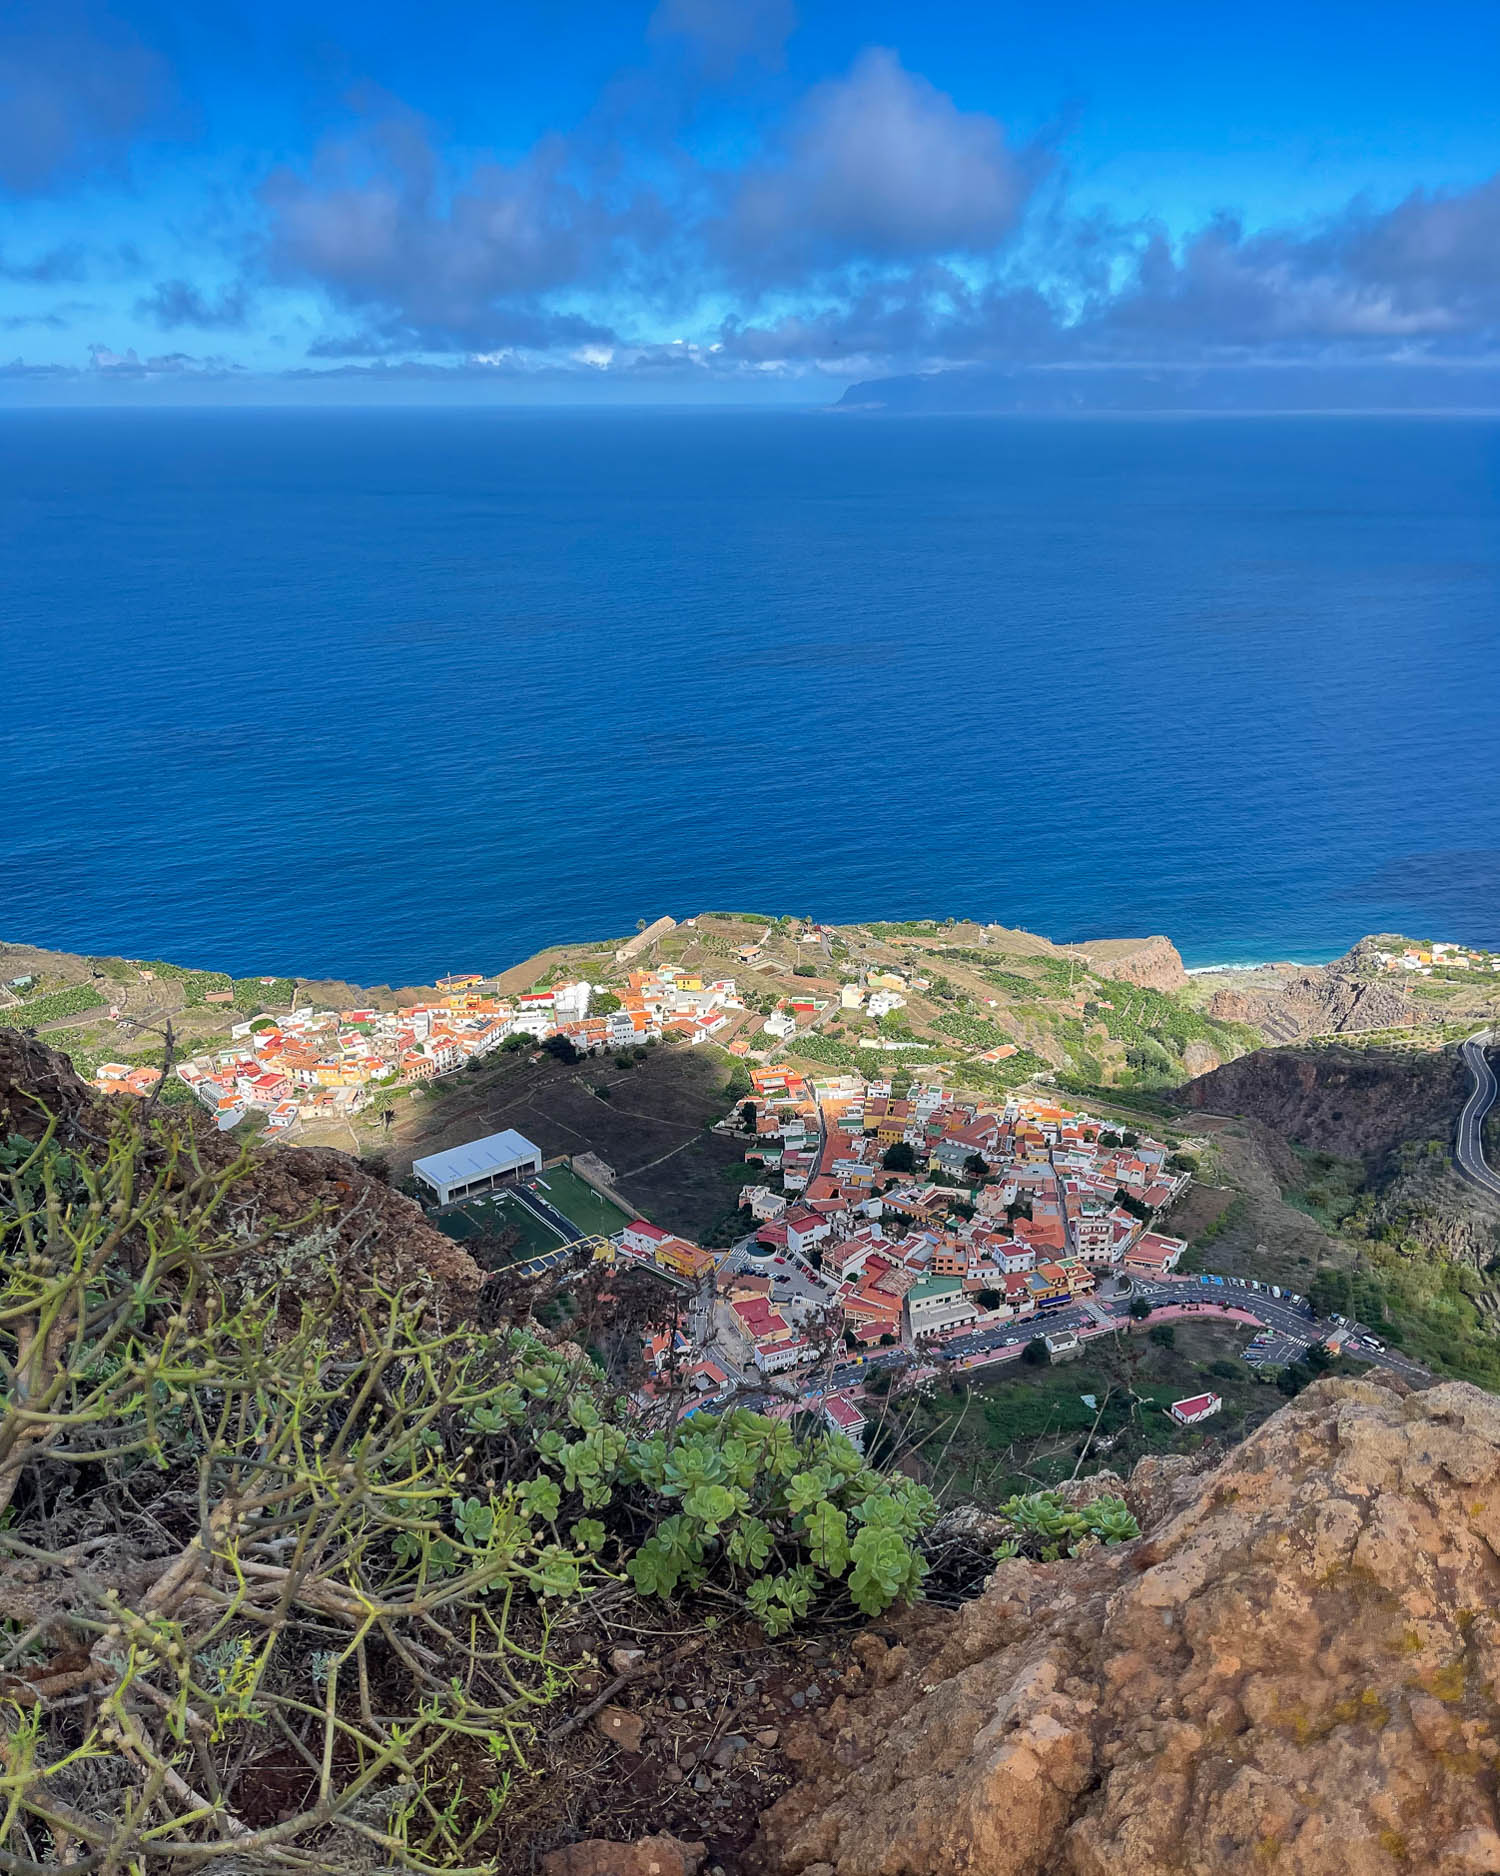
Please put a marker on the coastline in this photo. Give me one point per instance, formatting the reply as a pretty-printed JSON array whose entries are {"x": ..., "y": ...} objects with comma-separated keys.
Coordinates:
[{"x": 1255, "y": 964}]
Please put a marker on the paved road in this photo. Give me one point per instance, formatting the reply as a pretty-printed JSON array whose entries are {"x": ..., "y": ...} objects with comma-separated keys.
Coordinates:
[
  {"x": 1275, "y": 1313},
  {"x": 1469, "y": 1145}
]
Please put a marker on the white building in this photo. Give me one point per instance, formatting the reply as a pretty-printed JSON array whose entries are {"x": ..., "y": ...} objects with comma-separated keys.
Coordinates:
[
  {"x": 479, "y": 1166},
  {"x": 570, "y": 1002},
  {"x": 937, "y": 1305},
  {"x": 804, "y": 1230},
  {"x": 764, "y": 1204},
  {"x": 842, "y": 1416},
  {"x": 774, "y": 1357}
]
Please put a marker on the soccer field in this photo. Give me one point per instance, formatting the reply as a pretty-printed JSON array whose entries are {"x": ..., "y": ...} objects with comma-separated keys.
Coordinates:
[
  {"x": 494, "y": 1213},
  {"x": 578, "y": 1200}
]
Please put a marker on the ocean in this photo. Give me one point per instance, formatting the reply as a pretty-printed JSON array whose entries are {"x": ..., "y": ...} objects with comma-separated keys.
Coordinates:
[{"x": 379, "y": 694}]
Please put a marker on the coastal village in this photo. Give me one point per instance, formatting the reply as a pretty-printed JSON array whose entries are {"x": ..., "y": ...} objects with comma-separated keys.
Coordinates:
[
  {"x": 909, "y": 1224},
  {"x": 315, "y": 1064},
  {"x": 873, "y": 1222},
  {"x": 917, "y": 998},
  {"x": 913, "y": 1190}
]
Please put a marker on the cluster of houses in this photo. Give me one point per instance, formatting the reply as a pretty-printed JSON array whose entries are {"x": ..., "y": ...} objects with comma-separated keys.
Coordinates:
[
  {"x": 663, "y": 1003},
  {"x": 986, "y": 1215},
  {"x": 329, "y": 1064},
  {"x": 1454, "y": 957},
  {"x": 989, "y": 1215},
  {"x": 878, "y": 992},
  {"x": 126, "y": 1078}
]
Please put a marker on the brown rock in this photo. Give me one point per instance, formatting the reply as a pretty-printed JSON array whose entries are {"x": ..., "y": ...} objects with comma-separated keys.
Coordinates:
[
  {"x": 1153, "y": 963},
  {"x": 1233, "y": 1006},
  {"x": 647, "y": 1856},
  {"x": 625, "y": 1728},
  {"x": 1296, "y": 1670}
]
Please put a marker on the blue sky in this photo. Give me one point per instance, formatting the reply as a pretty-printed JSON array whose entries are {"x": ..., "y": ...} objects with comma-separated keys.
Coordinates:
[{"x": 742, "y": 200}]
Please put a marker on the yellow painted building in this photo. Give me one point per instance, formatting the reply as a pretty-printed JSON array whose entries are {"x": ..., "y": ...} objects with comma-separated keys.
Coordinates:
[{"x": 687, "y": 1260}]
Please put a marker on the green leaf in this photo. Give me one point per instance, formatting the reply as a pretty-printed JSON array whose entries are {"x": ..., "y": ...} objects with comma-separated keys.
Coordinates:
[
  {"x": 882, "y": 1561},
  {"x": 557, "y": 1572},
  {"x": 655, "y": 1569},
  {"x": 646, "y": 1462},
  {"x": 840, "y": 1455},
  {"x": 1111, "y": 1520},
  {"x": 579, "y": 1464},
  {"x": 475, "y": 1520},
  {"x": 828, "y": 1538},
  {"x": 806, "y": 1489},
  {"x": 542, "y": 1498},
  {"x": 694, "y": 1463},
  {"x": 750, "y": 1544},
  {"x": 764, "y": 1603},
  {"x": 714, "y": 1505}
]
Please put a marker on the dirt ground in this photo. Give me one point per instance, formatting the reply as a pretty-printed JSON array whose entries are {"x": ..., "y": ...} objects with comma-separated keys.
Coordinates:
[
  {"x": 1264, "y": 1237},
  {"x": 1196, "y": 1210},
  {"x": 690, "y": 1743},
  {"x": 648, "y": 1124}
]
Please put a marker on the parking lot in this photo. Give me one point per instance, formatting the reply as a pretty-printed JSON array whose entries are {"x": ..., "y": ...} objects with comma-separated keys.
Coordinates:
[
  {"x": 1270, "y": 1350},
  {"x": 796, "y": 1294}
]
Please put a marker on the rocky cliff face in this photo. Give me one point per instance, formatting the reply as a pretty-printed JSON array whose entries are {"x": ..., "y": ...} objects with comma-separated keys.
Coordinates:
[
  {"x": 1154, "y": 963},
  {"x": 1288, "y": 1004},
  {"x": 1294, "y": 1672},
  {"x": 1357, "y": 1103}
]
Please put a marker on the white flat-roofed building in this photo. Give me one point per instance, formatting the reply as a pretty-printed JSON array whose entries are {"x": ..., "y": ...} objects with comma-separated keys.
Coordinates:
[{"x": 481, "y": 1165}]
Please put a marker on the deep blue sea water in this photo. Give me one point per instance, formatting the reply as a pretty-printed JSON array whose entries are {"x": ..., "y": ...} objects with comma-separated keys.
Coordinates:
[{"x": 379, "y": 694}]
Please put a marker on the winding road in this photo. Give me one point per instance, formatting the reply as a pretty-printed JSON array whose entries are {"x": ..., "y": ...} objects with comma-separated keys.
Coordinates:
[{"x": 1469, "y": 1145}]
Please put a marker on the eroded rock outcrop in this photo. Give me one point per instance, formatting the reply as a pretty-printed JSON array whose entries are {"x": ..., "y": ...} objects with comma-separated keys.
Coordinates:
[
  {"x": 1154, "y": 963},
  {"x": 1290, "y": 1003},
  {"x": 1295, "y": 1673}
]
